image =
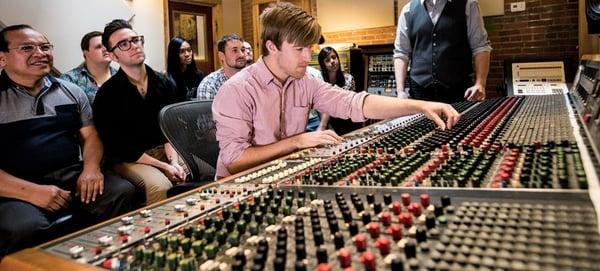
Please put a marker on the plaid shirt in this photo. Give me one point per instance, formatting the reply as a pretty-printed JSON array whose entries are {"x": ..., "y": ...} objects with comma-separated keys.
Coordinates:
[
  {"x": 81, "y": 76},
  {"x": 210, "y": 85}
]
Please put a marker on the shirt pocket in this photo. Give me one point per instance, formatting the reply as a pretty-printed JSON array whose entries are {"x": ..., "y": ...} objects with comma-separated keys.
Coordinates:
[{"x": 301, "y": 99}]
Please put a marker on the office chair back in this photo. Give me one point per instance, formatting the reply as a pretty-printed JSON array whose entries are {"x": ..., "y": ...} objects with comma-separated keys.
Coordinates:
[{"x": 190, "y": 129}]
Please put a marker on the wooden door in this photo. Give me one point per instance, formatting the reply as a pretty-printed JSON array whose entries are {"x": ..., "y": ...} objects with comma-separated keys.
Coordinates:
[{"x": 194, "y": 23}]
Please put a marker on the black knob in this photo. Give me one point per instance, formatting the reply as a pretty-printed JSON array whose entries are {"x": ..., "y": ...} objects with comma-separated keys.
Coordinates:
[
  {"x": 439, "y": 210},
  {"x": 333, "y": 226},
  {"x": 300, "y": 252},
  {"x": 260, "y": 258},
  {"x": 280, "y": 252},
  {"x": 318, "y": 236},
  {"x": 338, "y": 239},
  {"x": 421, "y": 234},
  {"x": 366, "y": 218},
  {"x": 321, "y": 255},
  {"x": 370, "y": 198},
  {"x": 279, "y": 264},
  {"x": 300, "y": 266},
  {"x": 301, "y": 194},
  {"x": 377, "y": 207},
  {"x": 353, "y": 227},
  {"x": 240, "y": 256},
  {"x": 430, "y": 221},
  {"x": 236, "y": 214},
  {"x": 445, "y": 201},
  {"x": 410, "y": 249},
  {"x": 281, "y": 244},
  {"x": 387, "y": 199},
  {"x": 397, "y": 264},
  {"x": 347, "y": 215}
]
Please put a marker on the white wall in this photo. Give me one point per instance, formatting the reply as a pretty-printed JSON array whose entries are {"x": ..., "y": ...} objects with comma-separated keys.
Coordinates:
[
  {"x": 149, "y": 21},
  {"x": 64, "y": 22},
  {"x": 232, "y": 17},
  {"x": 342, "y": 15}
]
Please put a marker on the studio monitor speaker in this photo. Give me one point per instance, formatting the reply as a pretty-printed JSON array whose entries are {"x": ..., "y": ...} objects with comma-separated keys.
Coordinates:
[{"x": 592, "y": 13}]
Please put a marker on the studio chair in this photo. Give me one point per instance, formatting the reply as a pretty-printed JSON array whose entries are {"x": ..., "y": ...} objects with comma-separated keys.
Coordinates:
[{"x": 189, "y": 127}]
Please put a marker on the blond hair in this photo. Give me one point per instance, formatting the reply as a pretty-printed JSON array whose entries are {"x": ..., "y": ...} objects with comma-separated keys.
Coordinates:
[{"x": 287, "y": 22}]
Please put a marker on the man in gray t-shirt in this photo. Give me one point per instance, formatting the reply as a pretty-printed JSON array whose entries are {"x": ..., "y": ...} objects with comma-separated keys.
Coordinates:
[{"x": 51, "y": 153}]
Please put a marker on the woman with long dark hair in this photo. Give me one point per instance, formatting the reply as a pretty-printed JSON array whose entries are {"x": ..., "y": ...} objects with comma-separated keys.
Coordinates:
[
  {"x": 331, "y": 69},
  {"x": 182, "y": 68}
]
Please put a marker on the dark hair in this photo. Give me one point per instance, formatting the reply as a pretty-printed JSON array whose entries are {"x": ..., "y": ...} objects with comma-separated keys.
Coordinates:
[
  {"x": 85, "y": 41},
  {"x": 223, "y": 41},
  {"x": 286, "y": 22},
  {"x": 191, "y": 74},
  {"x": 173, "y": 63},
  {"x": 3, "y": 41},
  {"x": 339, "y": 74},
  {"x": 111, "y": 28}
]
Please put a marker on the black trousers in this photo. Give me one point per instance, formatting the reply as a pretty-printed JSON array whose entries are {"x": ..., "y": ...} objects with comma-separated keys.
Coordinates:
[
  {"x": 438, "y": 92},
  {"x": 23, "y": 224}
]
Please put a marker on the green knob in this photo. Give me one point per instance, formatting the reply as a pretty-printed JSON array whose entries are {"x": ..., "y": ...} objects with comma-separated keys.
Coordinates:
[
  {"x": 234, "y": 239},
  {"x": 173, "y": 242},
  {"x": 241, "y": 226},
  {"x": 197, "y": 247},
  {"x": 253, "y": 228},
  {"x": 209, "y": 235},
  {"x": 149, "y": 256},
  {"x": 172, "y": 261},
  {"x": 185, "y": 244},
  {"x": 211, "y": 251},
  {"x": 199, "y": 232},
  {"x": 270, "y": 219},
  {"x": 160, "y": 259},
  {"x": 221, "y": 237}
]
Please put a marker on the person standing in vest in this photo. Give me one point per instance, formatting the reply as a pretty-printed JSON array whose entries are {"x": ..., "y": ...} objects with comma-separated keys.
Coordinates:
[{"x": 443, "y": 41}]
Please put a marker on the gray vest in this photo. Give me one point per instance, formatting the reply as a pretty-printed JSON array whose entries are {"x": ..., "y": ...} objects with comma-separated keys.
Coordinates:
[{"x": 441, "y": 53}]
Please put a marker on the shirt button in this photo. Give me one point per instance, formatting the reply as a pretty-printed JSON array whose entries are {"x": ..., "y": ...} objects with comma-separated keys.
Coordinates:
[
  {"x": 434, "y": 34},
  {"x": 434, "y": 44}
]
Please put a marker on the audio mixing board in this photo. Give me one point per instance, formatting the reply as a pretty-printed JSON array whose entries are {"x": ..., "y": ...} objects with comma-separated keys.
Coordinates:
[{"x": 511, "y": 187}]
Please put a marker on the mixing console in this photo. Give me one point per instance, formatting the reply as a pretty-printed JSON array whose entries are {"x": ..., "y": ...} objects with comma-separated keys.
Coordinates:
[
  {"x": 315, "y": 228},
  {"x": 505, "y": 189}
]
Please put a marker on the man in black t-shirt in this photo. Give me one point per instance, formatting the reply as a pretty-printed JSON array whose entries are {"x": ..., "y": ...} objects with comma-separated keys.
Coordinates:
[{"x": 126, "y": 112}]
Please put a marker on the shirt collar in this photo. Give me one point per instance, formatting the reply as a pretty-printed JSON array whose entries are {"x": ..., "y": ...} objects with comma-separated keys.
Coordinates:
[
  {"x": 122, "y": 76},
  {"x": 423, "y": 1},
  {"x": 6, "y": 83},
  {"x": 266, "y": 76}
]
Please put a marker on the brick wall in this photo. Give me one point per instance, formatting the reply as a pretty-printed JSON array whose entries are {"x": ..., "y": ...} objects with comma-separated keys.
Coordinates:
[
  {"x": 546, "y": 30},
  {"x": 247, "y": 21},
  {"x": 369, "y": 36}
]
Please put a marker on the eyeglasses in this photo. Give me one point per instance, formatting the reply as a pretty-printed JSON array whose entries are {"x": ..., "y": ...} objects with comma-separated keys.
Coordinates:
[
  {"x": 28, "y": 48},
  {"x": 125, "y": 45}
]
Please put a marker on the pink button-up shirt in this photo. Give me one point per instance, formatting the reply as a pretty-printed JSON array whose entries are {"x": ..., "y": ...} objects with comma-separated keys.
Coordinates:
[{"x": 254, "y": 109}]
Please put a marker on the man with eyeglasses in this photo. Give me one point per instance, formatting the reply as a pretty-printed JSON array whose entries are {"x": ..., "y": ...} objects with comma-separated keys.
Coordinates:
[
  {"x": 95, "y": 69},
  {"x": 51, "y": 153},
  {"x": 233, "y": 58},
  {"x": 126, "y": 114}
]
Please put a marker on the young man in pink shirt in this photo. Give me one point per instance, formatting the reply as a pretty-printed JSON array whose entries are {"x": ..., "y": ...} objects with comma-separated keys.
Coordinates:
[{"x": 261, "y": 112}]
